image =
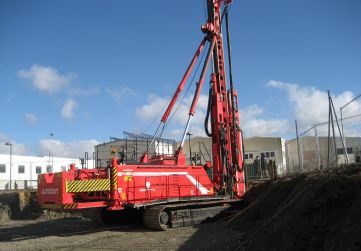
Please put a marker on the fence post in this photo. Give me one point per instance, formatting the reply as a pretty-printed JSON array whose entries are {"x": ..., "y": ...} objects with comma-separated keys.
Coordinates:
[
  {"x": 288, "y": 164},
  {"x": 339, "y": 131},
  {"x": 330, "y": 123},
  {"x": 317, "y": 147},
  {"x": 298, "y": 147},
  {"x": 343, "y": 133}
]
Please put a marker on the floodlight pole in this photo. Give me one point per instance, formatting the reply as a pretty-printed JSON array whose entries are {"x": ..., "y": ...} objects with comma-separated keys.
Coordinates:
[
  {"x": 52, "y": 151},
  {"x": 11, "y": 159}
]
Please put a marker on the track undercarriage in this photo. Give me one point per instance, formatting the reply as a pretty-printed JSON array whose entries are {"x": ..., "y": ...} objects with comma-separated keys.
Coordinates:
[{"x": 163, "y": 216}]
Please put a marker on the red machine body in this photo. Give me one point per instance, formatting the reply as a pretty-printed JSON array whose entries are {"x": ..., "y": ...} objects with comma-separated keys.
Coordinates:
[
  {"x": 168, "y": 179},
  {"x": 121, "y": 185}
]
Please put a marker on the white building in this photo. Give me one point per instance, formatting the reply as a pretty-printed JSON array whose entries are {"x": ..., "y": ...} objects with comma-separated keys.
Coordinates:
[
  {"x": 271, "y": 148},
  {"x": 25, "y": 169}
]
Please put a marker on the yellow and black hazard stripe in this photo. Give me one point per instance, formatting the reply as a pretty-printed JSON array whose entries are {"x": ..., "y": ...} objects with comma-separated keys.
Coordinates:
[
  {"x": 79, "y": 186},
  {"x": 70, "y": 206},
  {"x": 59, "y": 207},
  {"x": 115, "y": 178},
  {"x": 51, "y": 206}
]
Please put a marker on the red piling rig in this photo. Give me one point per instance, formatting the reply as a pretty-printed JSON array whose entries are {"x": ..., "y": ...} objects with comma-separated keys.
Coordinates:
[{"x": 166, "y": 180}]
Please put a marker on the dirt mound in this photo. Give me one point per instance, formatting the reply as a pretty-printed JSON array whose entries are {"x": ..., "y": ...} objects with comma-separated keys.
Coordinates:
[
  {"x": 20, "y": 205},
  {"x": 16, "y": 205},
  {"x": 314, "y": 211},
  {"x": 5, "y": 213}
]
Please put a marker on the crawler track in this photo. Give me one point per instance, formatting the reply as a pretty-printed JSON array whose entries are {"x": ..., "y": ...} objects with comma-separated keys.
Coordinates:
[
  {"x": 163, "y": 217},
  {"x": 151, "y": 218}
]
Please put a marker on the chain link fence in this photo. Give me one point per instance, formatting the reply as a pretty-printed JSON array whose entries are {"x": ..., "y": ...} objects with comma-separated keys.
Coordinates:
[
  {"x": 261, "y": 166},
  {"x": 310, "y": 151},
  {"x": 19, "y": 184},
  {"x": 351, "y": 128},
  {"x": 328, "y": 144}
]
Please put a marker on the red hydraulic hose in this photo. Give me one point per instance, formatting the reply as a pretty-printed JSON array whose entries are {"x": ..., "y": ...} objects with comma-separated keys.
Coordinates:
[{"x": 201, "y": 78}]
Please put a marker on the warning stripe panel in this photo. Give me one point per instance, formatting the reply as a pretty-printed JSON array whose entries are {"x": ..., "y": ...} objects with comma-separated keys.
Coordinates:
[
  {"x": 79, "y": 186},
  {"x": 57, "y": 207},
  {"x": 70, "y": 206},
  {"x": 51, "y": 206},
  {"x": 114, "y": 179}
]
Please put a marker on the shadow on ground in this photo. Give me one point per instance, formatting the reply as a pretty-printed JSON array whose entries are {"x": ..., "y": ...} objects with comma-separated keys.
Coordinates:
[{"x": 61, "y": 228}]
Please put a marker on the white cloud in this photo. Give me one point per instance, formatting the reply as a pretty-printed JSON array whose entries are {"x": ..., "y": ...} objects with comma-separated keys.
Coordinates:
[
  {"x": 253, "y": 124},
  {"x": 310, "y": 105},
  {"x": 72, "y": 149},
  {"x": 152, "y": 109},
  {"x": 251, "y": 121},
  {"x": 157, "y": 105},
  {"x": 68, "y": 109},
  {"x": 45, "y": 79},
  {"x": 119, "y": 94},
  {"x": 17, "y": 148},
  {"x": 31, "y": 118},
  {"x": 79, "y": 91}
]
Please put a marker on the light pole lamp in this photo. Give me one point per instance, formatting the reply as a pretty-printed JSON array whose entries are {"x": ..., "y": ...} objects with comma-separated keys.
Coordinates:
[
  {"x": 52, "y": 151},
  {"x": 11, "y": 158}
]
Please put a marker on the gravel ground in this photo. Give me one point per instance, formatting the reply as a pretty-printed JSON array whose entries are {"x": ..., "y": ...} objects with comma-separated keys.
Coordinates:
[{"x": 81, "y": 234}]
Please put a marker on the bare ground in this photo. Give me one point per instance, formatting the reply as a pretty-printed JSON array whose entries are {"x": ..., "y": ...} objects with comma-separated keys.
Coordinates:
[{"x": 81, "y": 234}]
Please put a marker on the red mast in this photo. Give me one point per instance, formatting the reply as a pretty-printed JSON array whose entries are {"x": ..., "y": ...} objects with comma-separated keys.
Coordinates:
[
  {"x": 227, "y": 148},
  {"x": 226, "y": 135}
]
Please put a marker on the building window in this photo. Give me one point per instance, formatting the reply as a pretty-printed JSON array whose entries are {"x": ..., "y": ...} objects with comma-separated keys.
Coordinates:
[
  {"x": 262, "y": 155},
  {"x": 340, "y": 151},
  {"x": 21, "y": 169},
  {"x": 2, "y": 168},
  {"x": 38, "y": 170},
  {"x": 49, "y": 169},
  {"x": 63, "y": 168},
  {"x": 246, "y": 156},
  {"x": 272, "y": 154},
  {"x": 250, "y": 155},
  {"x": 267, "y": 154}
]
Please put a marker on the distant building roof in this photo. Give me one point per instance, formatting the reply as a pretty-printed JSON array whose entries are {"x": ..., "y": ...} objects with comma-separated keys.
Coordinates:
[{"x": 142, "y": 136}]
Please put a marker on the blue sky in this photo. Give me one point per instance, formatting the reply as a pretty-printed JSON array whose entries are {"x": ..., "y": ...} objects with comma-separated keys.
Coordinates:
[{"x": 87, "y": 70}]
